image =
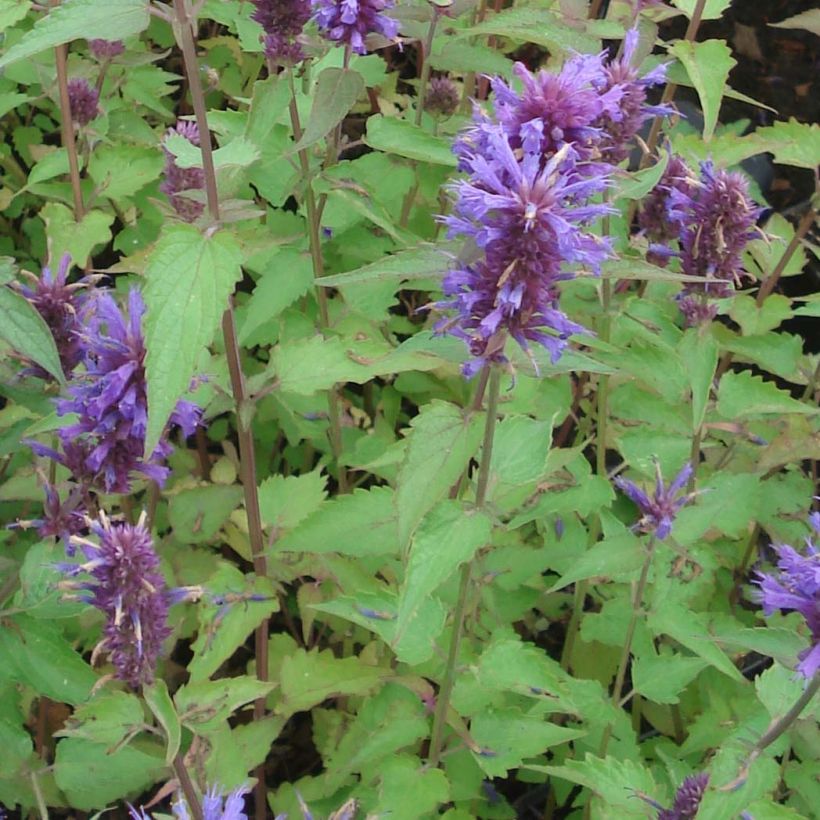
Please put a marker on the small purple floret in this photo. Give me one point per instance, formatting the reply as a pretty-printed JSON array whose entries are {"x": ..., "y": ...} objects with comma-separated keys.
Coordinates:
[
  {"x": 658, "y": 511},
  {"x": 106, "y": 49},
  {"x": 687, "y": 799},
  {"x": 282, "y": 21},
  {"x": 83, "y": 100},
  {"x": 350, "y": 21},
  {"x": 178, "y": 180},
  {"x": 796, "y": 588},
  {"x": 442, "y": 97},
  {"x": 127, "y": 587}
]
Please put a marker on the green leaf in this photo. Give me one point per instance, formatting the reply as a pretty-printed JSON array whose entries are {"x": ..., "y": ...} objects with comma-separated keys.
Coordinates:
[
  {"x": 660, "y": 678},
  {"x": 337, "y": 90},
  {"x": 22, "y": 327},
  {"x": 448, "y": 537},
  {"x": 198, "y": 514},
  {"x": 80, "y": 19},
  {"x": 189, "y": 278},
  {"x": 92, "y": 777},
  {"x": 505, "y": 737},
  {"x": 792, "y": 143},
  {"x": 308, "y": 678},
  {"x": 806, "y": 20},
  {"x": 742, "y": 394},
  {"x": 461, "y": 57},
  {"x": 239, "y": 153},
  {"x": 443, "y": 441},
  {"x": 712, "y": 9},
  {"x": 403, "y": 775},
  {"x": 610, "y": 558},
  {"x": 202, "y": 706},
  {"x": 286, "y": 501},
  {"x": 17, "y": 747},
  {"x": 408, "y": 140},
  {"x": 426, "y": 262},
  {"x": 640, "y": 183},
  {"x": 160, "y": 703},
  {"x": 269, "y": 103},
  {"x": 728, "y": 502},
  {"x": 77, "y": 239},
  {"x": 708, "y": 64},
  {"x": 108, "y": 718},
  {"x": 37, "y": 655},
  {"x": 361, "y": 523},
  {"x": 120, "y": 171},
  {"x": 699, "y": 354},
  {"x": 754, "y": 319}
]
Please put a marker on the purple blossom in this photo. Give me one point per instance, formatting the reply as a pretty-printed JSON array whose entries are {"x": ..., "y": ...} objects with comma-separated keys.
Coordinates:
[
  {"x": 125, "y": 584},
  {"x": 179, "y": 180},
  {"x": 63, "y": 307},
  {"x": 527, "y": 216},
  {"x": 719, "y": 220},
  {"x": 105, "y": 445},
  {"x": 62, "y": 519},
  {"x": 282, "y": 21},
  {"x": 687, "y": 798},
  {"x": 442, "y": 97},
  {"x": 621, "y": 123},
  {"x": 106, "y": 49},
  {"x": 796, "y": 588},
  {"x": 658, "y": 512},
  {"x": 83, "y": 100},
  {"x": 350, "y": 21}
]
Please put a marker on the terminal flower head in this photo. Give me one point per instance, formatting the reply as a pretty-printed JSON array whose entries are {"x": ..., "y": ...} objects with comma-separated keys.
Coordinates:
[
  {"x": 350, "y": 21},
  {"x": 179, "y": 180},
  {"x": 282, "y": 22},
  {"x": 687, "y": 799},
  {"x": 83, "y": 100}
]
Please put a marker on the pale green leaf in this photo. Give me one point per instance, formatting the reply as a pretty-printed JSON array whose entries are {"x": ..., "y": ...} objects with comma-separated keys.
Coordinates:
[
  {"x": 661, "y": 678},
  {"x": 198, "y": 513},
  {"x": 337, "y": 90},
  {"x": 742, "y": 394},
  {"x": 286, "y": 501},
  {"x": 189, "y": 279},
  {"x": 610, "y": 558},
  {"x": 712, "y": 9},
  {"x": 202, "y": 706},
  {"x": 159, "y": 702},
  {"x": 699, "y": 353},
  {"x": 107, "y": 718},
  {"x": 807, "y": 20},
  {"x": 77, "y": 239},
  {"x": 407, "y": 140},
  {"x": 120, "y": 171},
  {"x": 793, "y": 143},
  {"x": 426, "y": 262}
]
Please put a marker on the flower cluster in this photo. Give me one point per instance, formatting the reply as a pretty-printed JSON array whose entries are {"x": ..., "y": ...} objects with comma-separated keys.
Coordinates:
[
  {"x": 442, "y": 97},
  {"x": 712, "y": 217},
  {"x": 179, "y": 180},
  {"x": 63, "y": 307},
  {"x": 83, "y": 101},
  {"x": 106, "y": 49},
  {"x": 658, "y": 512},
  {"x": 125, "y": 584},
  {"x": 282, "y": 22},
  {"x": 796, "y": 588},
  {"x": 687, "y": 799},
  {"x": 350, "y": 21}
]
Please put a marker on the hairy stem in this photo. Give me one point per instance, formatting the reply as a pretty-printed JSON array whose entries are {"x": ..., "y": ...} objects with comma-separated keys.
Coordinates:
[
  {"x": 187, "y": 786},
  {"x": 446, "y": 690},
  {"x": 626, "y": 651},
  {"x": 247, "y": 455},
  {"x": 315, "y": 242}
]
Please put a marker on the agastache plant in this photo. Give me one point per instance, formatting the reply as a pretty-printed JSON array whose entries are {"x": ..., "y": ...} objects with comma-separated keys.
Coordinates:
[
  {"x": 795, "y": 587},
  {"x": 687, "y": 799},
  {"x": 282, "y": 22},
  {"x": 125, "y": 584},
  {"x": 84, "y": 100},
  {"x": 179, "y": 180},
  {"x": 350, "y": 21}
]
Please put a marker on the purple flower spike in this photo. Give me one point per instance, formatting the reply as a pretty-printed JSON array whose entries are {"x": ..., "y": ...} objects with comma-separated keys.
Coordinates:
[
  {"x": 350, "y": 21},
  {"x": 105, "y": 446},
  {"x": 658, "y": 512},
  {"x": 83, "y": 101},
  {"x": 127, "y": 587},
  {"x": 177, "y": 180},
  {"x": 106, "y": 49},
  {"x": 796, "y": 588},
  {"x": 282, "y": 21},
  {"x": 63, "y": 308},
  {"x": 687, "y": 799},
  {"x": 214, "y": 807}
]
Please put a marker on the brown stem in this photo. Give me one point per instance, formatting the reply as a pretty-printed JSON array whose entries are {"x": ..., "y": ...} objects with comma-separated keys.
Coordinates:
[
  {"x": 187, "y": 786},
  {"x": 247, "y": 455}
]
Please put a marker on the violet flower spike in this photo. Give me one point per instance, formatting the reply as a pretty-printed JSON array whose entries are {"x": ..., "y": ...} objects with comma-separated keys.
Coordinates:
[
  {"x": 282, "y": 22},
  {"x": 796, "y": 588},
  {"x": 178, "y": 180},
  {"x": 214, "y": 807},
  {"x": 658, "y": 512},
  {"x": 83, "y": 101},
  {"x": 350, "y": 21},
  {"x": 687, "y": 798},
  {"x": 125, "y": 584}
]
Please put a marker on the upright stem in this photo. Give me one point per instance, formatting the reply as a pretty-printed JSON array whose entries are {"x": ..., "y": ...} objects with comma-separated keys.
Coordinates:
[
  {"x": 67, "y": 128},
  {"x": 427, "y": 48},
  {"x": 637, "y": 604},
  {"x": 446, "y": 690},
  {"x": 187, "y": 786},
  {"x": 247, "y": 455},
  {"x": 315, "y": 242}
]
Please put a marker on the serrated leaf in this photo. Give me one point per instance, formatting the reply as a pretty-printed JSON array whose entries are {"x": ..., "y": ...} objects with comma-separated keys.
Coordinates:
[
  {"x": 404, "y": 775},
  {"x": 120, "y": 171},
  {"x": 640, "y": 183},
  {"x": 408, "y": 140},
  {"x": 239, "y": 153},
  {"x": 755, "y": 319},
  {"x": 708, "y": 64},
  {"x": 361, "y": 523},
  {"x": 286, "y": 501},
  {"x": 17, "y": 747},
  {"x": 806, "y": 20},
  {"x": 448, "y": 537},
  {"x": 337, "y": 90},
  {"x": 608, "y": 558},
  {"x": 80, "y": 19},
  {"x": 742, "y": 394},
  {"x": 189, "y": 280},
  {"x": 202, "y": 706},
  {"x": 660, "y": 678},
  {"x": 727, "y": 502},
  {"x": 159, "y": 702},
  {"x": 77, "y": 239},
  {"x": 416, "y": 263},
  {"x": 308, "y": 678},
  {"x": 699, "y": 353},
  {"x": 107, "y": 718},
  {"x": 793, "y": 143},
  {"x": 443, "y": 441},
  {"x": 198, "y": 513},
  {"x": 25, "y": 331}
]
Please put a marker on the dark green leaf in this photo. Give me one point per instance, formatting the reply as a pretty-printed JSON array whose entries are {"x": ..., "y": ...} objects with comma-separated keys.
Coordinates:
[
  {"x": 407, "y": 140},
  {"x": 337, "y": 90}
]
